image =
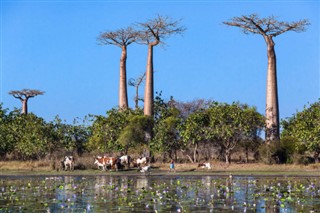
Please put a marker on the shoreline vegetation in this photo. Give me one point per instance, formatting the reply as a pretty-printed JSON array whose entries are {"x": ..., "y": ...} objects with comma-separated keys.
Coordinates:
[{"x": 30, "y": 168}]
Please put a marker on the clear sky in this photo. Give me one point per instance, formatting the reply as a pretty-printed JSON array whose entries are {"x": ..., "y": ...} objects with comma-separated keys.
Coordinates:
[{"x": 52, "y": 46}]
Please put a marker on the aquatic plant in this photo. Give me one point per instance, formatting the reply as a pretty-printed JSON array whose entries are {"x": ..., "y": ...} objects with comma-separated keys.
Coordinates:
[{"x": 158, "y": 194}]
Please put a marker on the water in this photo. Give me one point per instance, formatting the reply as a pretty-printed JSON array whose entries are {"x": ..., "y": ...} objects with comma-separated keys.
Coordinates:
[{"x": 159, "y": 194}]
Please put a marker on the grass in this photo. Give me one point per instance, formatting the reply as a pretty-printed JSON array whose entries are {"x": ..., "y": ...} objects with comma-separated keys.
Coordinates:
[{"x": 218, "y": 168}]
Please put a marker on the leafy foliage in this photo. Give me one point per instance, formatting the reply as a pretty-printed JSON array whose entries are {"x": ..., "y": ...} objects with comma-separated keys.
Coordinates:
[
  {"x": 134, "y": 134},
  {"x": 28, "y": 136},
  {"x": 166, "y": 139},
  {"x": 231, "y": 124},
  {"x": 304, "y": 126},
  {"x": 193, "y": 131},
  {"x": 6, "y": 145},
  {"x": 70, "y": 137},
  {"x": 210, "y": 126},
  {"x": 107, "y": 130}
]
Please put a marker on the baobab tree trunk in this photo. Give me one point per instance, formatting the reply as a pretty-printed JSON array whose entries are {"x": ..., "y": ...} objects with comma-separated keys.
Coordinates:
[
  {"x": 24, "y": 106},
  {"x": 272, "y": 105},
  {"x": 123, "y": 96},
  {"x": 148, "y": 92}
]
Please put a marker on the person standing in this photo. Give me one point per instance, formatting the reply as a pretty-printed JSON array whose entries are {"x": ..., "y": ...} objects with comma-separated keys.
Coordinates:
[{"x": 172, "y": 166}]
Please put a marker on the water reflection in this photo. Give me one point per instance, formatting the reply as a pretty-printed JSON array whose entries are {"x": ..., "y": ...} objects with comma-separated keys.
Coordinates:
[
  {"x": 159, "y": 193},
  {"x": 142, "y": 182}
]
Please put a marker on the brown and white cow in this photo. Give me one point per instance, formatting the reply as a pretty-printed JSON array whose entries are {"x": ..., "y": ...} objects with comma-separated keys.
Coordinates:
[
  {"x": 105, "y": 162},
  {"x": 100, "y": 162},
  {"x": 111, "y": 162}
]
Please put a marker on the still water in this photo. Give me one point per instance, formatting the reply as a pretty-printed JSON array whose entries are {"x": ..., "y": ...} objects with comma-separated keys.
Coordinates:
[{"x": 159, "y": 194}]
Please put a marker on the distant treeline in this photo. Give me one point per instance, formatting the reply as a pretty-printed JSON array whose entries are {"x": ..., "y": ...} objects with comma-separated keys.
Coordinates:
[{"x": 201, "y": 130}]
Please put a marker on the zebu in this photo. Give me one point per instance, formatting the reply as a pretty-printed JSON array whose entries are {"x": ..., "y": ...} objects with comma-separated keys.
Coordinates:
[
  {"x": 146, "y": 169},
  {"x": 204, "y": 165},
  {"x": 142, "y": 161},
  {"x": 105, "y": 162},
  {"x": 100, "y": 162},
  {"x": 68, "y": 163},
  {"x": 125, "y": 160}
]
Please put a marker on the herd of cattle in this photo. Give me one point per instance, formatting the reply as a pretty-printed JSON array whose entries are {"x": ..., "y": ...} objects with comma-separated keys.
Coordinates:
[{"x": 107, "y": 163}]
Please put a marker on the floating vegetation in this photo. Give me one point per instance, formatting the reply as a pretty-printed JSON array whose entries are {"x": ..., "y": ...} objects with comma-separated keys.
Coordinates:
[{"x": 159, "y": 194}]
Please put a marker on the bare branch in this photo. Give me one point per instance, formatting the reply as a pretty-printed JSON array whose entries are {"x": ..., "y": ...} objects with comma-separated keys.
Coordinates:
[
  {"x": 269, "y": 26},
  {"x": 25, "y": 93},
  {"x": 158, "y": 29},
  {"x": 121, "y": 37},
  {"x": 136, "y": 83}
]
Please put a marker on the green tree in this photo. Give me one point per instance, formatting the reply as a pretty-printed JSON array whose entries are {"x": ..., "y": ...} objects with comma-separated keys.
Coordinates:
[
  {"x": 304, "y": 126},
  {"x": 269, "y": 28},
  {"x": 30, "y": 135},
  {"x": 133, "y": 135},
  {"x": 193, "y": 131},
  {"x": 106, "y": 130},
  {"x": 6, "y": 145},
  {"x": 70, "y": 137},
  {"x": 229, "y": 125},
  {"x": 166, "y": 135}
]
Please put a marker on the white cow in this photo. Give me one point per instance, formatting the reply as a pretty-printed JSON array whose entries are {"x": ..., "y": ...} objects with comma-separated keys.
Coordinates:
[
  {"x": 68, "y": 162},
  {"x": 205, "y": 165},
  {"x": 142, "y": 161},
  {"x": 146, "y": 169},
  {"x": 125, "y": 160}
]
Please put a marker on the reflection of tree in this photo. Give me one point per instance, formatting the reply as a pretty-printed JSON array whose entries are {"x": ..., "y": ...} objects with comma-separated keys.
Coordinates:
[
  {"x": 100, "y": 183},
  {"x": 229, "y": 195},
  {"x": 189, "y": 194},
  {"x": 206, "y": 181},
  {"x": 142, "y": 183},
  {"x": 65, "y": 194}
]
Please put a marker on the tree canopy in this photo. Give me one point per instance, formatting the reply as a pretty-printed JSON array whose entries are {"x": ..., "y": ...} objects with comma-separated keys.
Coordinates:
[
  {"x": 304, "y": 126},
  {"x": 269, "y": 26}
]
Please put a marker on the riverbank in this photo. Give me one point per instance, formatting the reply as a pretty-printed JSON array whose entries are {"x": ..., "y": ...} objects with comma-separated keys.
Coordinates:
[{"x": 222, "y": 169}]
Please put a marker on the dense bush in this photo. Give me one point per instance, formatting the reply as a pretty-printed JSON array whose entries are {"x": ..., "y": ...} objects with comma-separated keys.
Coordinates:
[
  {"x": 29, "y": 137},
  {"x": 195, "y": 131},
  {"x": 304, "y": 127},
  {"x": 282, "y": 152}
]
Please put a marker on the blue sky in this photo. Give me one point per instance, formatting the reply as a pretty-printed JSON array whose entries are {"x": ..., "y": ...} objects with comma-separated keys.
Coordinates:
[{"x": 52, "y": 46}]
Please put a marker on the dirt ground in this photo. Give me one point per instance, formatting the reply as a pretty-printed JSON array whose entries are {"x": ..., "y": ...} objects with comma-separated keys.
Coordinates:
[{"x": 218, "y": 168}]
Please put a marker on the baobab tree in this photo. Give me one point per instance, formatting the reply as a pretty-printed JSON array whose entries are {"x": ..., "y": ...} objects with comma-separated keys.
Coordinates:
[
  {"x": 136, "y": 83},
  {"x": 121, "y": 38},
  {"x": 24, "y": 95},
  {"x": 269, "y": 28},
  {"x": 152, "y": 33}
]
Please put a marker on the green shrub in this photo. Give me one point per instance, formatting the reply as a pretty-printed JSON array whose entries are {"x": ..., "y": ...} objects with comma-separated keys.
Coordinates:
[{"x": 279, "y": 153}]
